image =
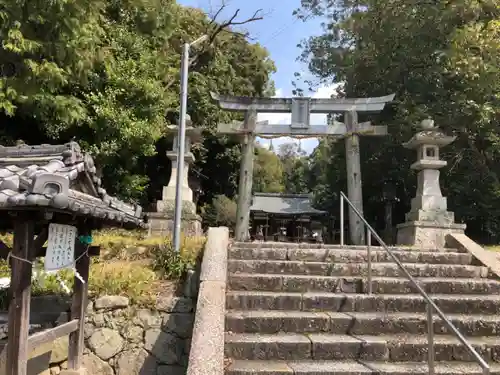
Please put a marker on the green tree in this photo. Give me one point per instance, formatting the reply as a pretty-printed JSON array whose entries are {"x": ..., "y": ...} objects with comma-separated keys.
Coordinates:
[
  {"x": 441, "y": 60},
  {"x": 267, "y": 172},
  {"x": 220, "y": 212},
  {"x": 107, "y": 74},
  {"x": 295, "y": 168}
]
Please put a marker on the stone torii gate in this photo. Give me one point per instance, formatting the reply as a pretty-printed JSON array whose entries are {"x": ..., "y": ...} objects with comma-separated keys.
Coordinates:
[{"x": 301, "y": 108}]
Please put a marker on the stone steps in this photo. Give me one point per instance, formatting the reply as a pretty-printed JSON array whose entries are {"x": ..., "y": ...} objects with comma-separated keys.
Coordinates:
[
  {"x": 242, "y": 367},
  {"x": 354, "y": 269},
  {"x": 314, "y": 246},
  {"x": 458, "y": 304},
  {"x": 355, "y": 323},
  {"x": 351, "y": 284},
  {"x": 304, "y": 309},
  {"x": 326, "y": 346},
  {"x": 349, "y": 256}
]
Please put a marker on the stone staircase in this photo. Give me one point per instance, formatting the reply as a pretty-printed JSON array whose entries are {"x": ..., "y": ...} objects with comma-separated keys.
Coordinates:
[{"x": 303, "y": 309}]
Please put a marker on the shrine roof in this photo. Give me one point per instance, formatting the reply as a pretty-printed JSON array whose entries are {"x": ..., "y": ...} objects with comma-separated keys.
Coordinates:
[
  {"x": 62, "y": 178},
  {"x": 284, "y": 204}
]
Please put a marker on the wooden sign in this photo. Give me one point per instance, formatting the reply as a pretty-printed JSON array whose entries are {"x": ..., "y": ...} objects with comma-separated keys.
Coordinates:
[{"x": 61, "y": 247}]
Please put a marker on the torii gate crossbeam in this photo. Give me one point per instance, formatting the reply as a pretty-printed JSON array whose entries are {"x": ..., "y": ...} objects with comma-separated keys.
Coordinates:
[{"x": 301, "y": 108}]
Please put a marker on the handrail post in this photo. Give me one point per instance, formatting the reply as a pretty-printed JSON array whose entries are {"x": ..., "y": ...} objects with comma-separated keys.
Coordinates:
[
  {"x": 341, "y": 220},
  {"x": 369, "y": 256},
  {"x": 430, "y": 340},
  {"x": 431, "y": 306}
]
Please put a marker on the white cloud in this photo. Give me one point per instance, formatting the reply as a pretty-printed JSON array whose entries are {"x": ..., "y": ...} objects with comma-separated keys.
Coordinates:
[{"x": 308, "y": 145}]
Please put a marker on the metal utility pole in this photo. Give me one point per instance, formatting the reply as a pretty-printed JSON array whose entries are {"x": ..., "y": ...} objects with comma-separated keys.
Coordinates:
[{"x": 181, "y": 136}]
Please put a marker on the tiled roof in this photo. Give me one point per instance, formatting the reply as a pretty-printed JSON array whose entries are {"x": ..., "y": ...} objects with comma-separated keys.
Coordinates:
[
  {"x": 59, "y": 177},
  {"x": 285, "y": 204}
]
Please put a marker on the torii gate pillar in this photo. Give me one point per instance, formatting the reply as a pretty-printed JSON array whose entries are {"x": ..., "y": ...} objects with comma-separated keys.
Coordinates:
[
  {"x": 354, "y": 181},
  {"x": 301, "y": 108},
  {"x": 246, "y": 178}
]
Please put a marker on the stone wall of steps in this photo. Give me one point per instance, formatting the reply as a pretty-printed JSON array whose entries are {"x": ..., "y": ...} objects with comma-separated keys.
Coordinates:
[{"x": 300, "y": 309}]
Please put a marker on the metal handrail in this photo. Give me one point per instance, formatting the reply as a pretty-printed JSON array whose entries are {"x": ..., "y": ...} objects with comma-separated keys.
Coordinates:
[{"x": 431, "y": 305}]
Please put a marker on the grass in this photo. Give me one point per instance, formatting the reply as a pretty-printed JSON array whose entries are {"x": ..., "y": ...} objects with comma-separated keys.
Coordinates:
[
  {"x": 131, "y": 264},
  {"x": 493, "y": 248}
]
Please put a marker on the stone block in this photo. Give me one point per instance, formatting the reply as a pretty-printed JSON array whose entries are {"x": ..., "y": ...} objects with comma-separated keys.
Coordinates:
[
  {"x": 59, "y": 352},
  {"x": 339, "y": 347},
  {"x": 258, "y": 367},
  {"x": 269, "y": 347},
  {"x": 136, "y": 362},
  {"x": 171, "y": 370},
  {"x": 206, "y": 355},
  {"x": 429, "y": 203},
  {"x": 263, "y": 301},
  {"x": 165, "y": 347},
  {"x": 147, "y": 319},
  {"x": 167, "y": 205},
  {"x": 106, "y": 343},
  {"x": 162, "y": 224},
  {"x": 426, "y": 234},
  {"x": 268, "y": 322},
  {"x": 181, "y": 324},
  {"x": 488, "y": 258},
  {"x": 81, "y": 371},
  {"x": 95, "y": 366},
  {"x": 111, "y": 302},
  {"x": 172, "y": 304},
  {"x": 214, "y": 264},
  {"x": 431, "y": 217}
]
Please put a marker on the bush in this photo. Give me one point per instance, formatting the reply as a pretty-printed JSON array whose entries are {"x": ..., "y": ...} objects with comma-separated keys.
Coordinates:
[
  {"x": 220, "y": 212},
  {"x": 130, "y": 264},
  {"x": 173, "y": 265}
]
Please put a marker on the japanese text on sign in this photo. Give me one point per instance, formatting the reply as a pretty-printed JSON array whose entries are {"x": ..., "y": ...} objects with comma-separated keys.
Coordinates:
[{"x": 61, "y": 247}]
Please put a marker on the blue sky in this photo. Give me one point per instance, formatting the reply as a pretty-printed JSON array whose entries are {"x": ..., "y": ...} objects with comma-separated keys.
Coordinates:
[{"x": 279, "y": 32}]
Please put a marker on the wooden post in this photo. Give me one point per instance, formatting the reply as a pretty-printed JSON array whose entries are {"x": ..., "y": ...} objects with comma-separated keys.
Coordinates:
[
  {"x": 19, "y": 296},
  {"x": 354, "y": 187},
  {"x": 246, "y": 178},
  {"x": 79, "y": 305}
]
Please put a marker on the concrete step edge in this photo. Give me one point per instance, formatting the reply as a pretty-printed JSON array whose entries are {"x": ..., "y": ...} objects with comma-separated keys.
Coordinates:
[
  {"x": 375, "y": 278},
  {"x": 347, "y": 367},
  {"x": 351, "y": 255},
  {"x": 307, "y": 246},
  {"x": 415, "y": 296},
  {"x": 480, "y": 271},
  {"x": 281, "y": 314},
  {"x": 341, "y": 339},
  {"x": 376, "y": 249}
]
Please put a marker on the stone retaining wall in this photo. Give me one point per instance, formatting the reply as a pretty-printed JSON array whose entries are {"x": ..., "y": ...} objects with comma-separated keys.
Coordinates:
[{"x": 122, "y": 339}]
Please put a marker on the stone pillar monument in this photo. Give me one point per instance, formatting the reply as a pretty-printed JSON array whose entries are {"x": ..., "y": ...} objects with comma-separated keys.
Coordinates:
[
  {"x": 428, "y": 221},
  {"x": 161, "y": 222}
]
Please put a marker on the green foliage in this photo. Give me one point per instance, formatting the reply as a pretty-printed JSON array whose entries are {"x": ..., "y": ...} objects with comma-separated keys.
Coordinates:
[
  {"x": 267, "y": 172},
  {"x": 131, "y": 264},
  {"x": 441, "y": 60},
  {"x": 295, "y": 168},
  {"x": 107, "y": 74},
  {"x": 170, "y": 263},
  {"x": 220, "y": 212}
]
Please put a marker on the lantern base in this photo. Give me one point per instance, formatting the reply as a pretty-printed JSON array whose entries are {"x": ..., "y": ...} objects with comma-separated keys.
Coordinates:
[
  {"x": 162, "y": 224},
  {"x": 425, "y": 234}
]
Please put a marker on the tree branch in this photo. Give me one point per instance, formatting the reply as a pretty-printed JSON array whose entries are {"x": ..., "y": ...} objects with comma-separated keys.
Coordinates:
[{"x": 217, "y": 28}]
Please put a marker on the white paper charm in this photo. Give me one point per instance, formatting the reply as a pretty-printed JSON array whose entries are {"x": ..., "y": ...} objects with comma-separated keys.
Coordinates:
[{"x": 61, "y": 247}]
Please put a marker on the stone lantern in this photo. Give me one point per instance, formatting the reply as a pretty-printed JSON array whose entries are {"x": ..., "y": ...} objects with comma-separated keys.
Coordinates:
[
  {"x": 161, "y": 221},
  {"x": 428, "y": 221}
]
